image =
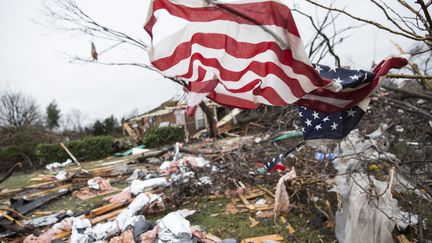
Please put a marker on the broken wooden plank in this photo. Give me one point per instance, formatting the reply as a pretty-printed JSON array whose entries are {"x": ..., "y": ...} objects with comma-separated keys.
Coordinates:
[
  {"x": 290, "y": 229},
  {"x": 246, "y": 203},
  {"x": 106, "y": 216},
  {"x": 106, "y": 208},
  {"x": 261, "y": 239},
  {"x": 258, "y": 207},
  {"x": 61, "y": 235},
  {"x": 6, "y": 193},
  {"x": 402, "y": 239},
  {"x": 267, "y": 191},
  {"x": 70, "y": 154},
  {"x": 254, "y": 222},
  {"x": 250, "y": 196},
  {"x": 48, "y": 191}
]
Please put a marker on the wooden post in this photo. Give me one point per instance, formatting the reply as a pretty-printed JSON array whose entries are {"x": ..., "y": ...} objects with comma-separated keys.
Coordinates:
[
  {"x": 70, "y": 154},
  {"x": 130, "y": 131}
]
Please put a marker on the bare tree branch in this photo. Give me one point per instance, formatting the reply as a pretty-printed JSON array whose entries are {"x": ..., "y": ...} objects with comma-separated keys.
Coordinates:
[{"x": 412, "y": 36}]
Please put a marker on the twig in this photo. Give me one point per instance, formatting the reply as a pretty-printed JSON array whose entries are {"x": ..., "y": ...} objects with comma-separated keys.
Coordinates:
[
  {"x": 406, "y": 106},
  {"x": 409, "y": 76},
  {"x": 412, "y": 36},
  {"x": 407, "y": 92}
]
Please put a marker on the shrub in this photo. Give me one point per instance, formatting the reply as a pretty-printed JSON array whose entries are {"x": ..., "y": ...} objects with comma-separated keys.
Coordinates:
[
  {"x": 164, "y": 135},
  {"x": 20, "y": 145},
  {"x": 92, "y": 148}
]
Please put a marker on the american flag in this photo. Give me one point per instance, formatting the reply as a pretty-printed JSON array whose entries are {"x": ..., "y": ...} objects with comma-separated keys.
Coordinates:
[
  {"x": 328, "y": 127},
  {"x": 242, "y": 54}
]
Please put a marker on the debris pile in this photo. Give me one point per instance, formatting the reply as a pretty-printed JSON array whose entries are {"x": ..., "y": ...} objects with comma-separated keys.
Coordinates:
[{"x": 272, "y": 183}]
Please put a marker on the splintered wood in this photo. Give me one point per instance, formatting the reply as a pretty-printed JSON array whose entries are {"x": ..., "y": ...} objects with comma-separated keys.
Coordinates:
[
  {"x": 262, "y": 239},
  {"x": 249, "y": 201}
]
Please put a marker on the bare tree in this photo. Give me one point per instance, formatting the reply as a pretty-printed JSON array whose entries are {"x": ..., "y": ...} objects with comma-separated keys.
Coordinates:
[
  {"x": 67, "y": 16},
  {"x": 17, "y": 111},
  {"x": 74, "y": 121},
  {"x": 414, "y": 24},
  {"x": 326, "y": 37}
]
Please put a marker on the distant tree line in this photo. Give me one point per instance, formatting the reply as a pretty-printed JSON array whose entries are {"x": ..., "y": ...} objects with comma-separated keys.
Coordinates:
[{"x": 24, "y": 125}]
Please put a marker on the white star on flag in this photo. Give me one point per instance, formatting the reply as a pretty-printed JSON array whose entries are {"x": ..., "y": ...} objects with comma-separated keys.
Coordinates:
[
  {"x": 318, "y": 127},
  {"x": 318, "y": 69},
  {"x": 315, "y": 115},
  {"x": 351, "y": 112},
  {"x": 308, "y": 122},
  {"x": 332, "y": 69},
  {"x": 326, "y": 119},
  {"x": 355, "y": 77},
  {"x": 334, "y": 126},
  {"x": 338, "y": 80}
]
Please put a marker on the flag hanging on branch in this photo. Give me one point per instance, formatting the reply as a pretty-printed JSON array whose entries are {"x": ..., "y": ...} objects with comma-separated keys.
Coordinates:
[
  {"x": 320, "y": 128},
  {"x": 241, "y": 57}
]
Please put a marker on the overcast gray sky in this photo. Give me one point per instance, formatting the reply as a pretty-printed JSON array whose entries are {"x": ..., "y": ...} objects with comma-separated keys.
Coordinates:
[{"x": 32, "y": 57}]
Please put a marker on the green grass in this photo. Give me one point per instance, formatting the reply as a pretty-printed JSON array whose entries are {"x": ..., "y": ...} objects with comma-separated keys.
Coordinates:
[
  {"x": 212, "y": 216},
  {"x": 20, "y": 179}
]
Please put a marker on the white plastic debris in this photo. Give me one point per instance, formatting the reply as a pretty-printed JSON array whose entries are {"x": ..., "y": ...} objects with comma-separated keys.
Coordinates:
[
  {"x": 102, "y": 230},
  {"x": 186, "y": 212},
  {"x": 63, "y": 190},
  {"x": 261, "y": 201},
  {"x": 92, "y": 184},
  {"x": 139, "y": 186},
  {"x": 282, "y": 202},
  {"x": 365, "y": 217},
  {"x": 173, "y": 228},
  {"x": 165, "y": 165},
  {"x": 57, "y": 165},
  {"x": 136, "y": 174},
  {"x": 139, "y": 151},
  {"x": 367, "y": 206},
  {"x": 201, "y": 162},
  {"x": 125, "y": 218},
  {"x": 85, "y": 232},
  {"x": 78, "y": 228},
  {"x": 214, "y": 169},
  {"x": 205, "y": 180},
  {"x": 406, "y": 219},
  {"x": 182, "y": 176},
  {"x": 401, "y": 184},
  {"x": 46, "y": 220},
  {"x": 61, "y": 176},
  {"x": 177, "y": 154}
]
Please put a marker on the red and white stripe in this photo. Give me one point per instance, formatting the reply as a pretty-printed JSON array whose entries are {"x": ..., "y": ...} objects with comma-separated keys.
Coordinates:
[{"x": 235, "y": 60}]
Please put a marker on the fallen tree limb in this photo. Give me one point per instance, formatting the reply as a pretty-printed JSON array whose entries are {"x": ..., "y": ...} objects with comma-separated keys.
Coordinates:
[
  {"x": 409, "y": 76},
  {"x": 10, "y": 171},
  {"x": 406, "y": 106},
  {"x": 407, "y": 92}
]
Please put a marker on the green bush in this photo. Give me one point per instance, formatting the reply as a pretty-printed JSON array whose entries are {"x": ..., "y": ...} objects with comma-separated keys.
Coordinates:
[
  {"x": 164, "y": 135},
  {"x": 20, "y": 145},
  {"x": 88, "y": 149}
]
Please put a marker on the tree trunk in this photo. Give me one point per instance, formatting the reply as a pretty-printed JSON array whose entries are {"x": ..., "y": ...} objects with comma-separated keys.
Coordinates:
[{"x": 210, "y": 119}]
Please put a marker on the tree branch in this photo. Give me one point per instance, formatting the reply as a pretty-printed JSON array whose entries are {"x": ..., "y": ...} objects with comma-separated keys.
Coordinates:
[{"x": 411, "y": 36}]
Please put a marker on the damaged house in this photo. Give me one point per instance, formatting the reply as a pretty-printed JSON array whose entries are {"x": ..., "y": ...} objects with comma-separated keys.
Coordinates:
[{"x": 173, "y": 113}]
